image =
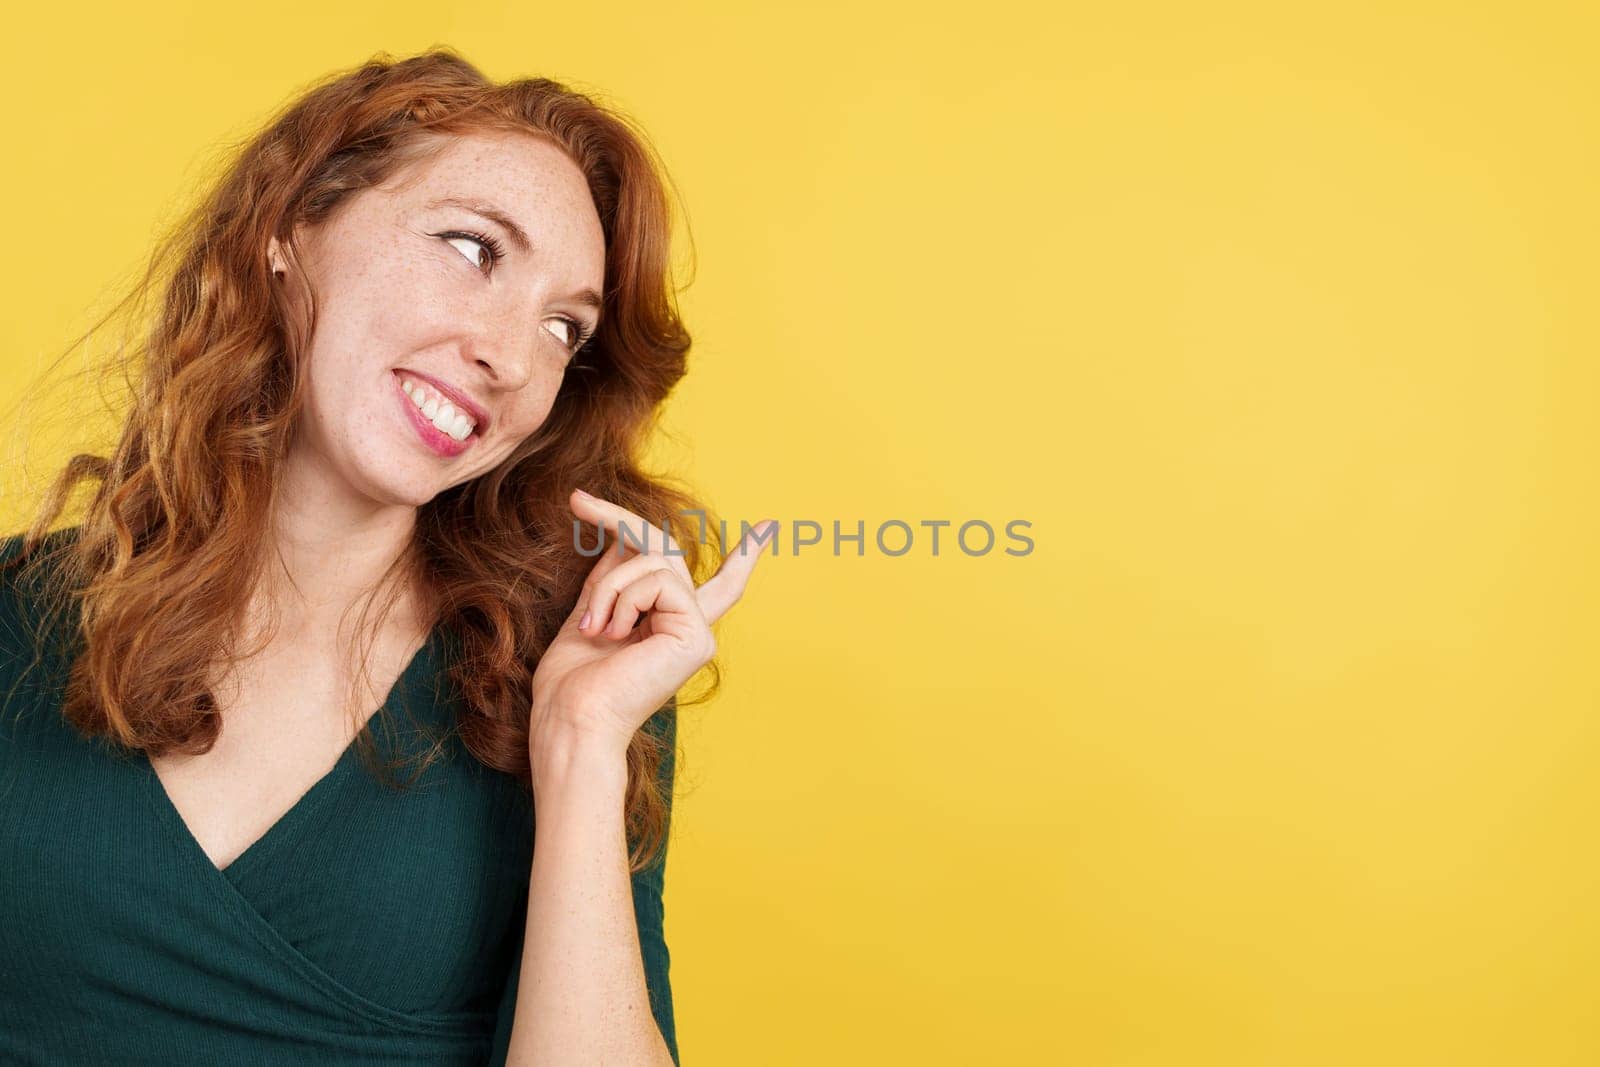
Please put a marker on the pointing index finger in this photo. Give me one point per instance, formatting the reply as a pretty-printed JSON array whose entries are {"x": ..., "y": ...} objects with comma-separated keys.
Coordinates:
[{"x": 723, "y": 589}]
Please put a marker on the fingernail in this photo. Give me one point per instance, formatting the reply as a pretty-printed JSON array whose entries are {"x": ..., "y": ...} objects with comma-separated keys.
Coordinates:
[
  {"x": 585, "y": 496},
  {"x": 585, "y": 620}
]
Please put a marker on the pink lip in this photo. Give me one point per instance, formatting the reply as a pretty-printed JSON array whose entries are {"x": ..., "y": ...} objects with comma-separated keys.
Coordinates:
[{"x": 438, "y": 441}]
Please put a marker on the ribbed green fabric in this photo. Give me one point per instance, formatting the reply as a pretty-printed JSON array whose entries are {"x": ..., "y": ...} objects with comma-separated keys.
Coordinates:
[{"x": 368, "y": 925}]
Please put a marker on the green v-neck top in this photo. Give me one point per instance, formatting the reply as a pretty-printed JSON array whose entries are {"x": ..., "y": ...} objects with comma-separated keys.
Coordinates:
[{"x": 369, "y": 924}]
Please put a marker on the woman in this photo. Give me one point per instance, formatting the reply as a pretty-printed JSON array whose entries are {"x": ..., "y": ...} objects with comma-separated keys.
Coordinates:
[{"x": 416, "y": 312}]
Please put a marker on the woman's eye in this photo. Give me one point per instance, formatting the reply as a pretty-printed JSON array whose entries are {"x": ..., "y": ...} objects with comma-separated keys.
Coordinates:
[
  {"x": 479, "y": 249},
  {"x": 567, "y": 331},
  {"x": 476, "y": 252}
]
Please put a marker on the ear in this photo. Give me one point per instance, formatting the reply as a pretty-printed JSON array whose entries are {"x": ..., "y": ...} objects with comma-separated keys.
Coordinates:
[{"x": 275, "y": 257}]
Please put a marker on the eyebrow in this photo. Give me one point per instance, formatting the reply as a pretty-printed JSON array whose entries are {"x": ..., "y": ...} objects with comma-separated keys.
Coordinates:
[{"x": 519, "y": 236}]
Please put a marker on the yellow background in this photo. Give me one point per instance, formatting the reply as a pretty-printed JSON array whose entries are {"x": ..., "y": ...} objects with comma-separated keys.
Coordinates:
[{"x": 1277, "y": 324}]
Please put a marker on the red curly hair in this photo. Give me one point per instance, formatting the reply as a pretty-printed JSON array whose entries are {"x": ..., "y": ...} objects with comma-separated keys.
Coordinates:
[{"x": 174, "y": 539}]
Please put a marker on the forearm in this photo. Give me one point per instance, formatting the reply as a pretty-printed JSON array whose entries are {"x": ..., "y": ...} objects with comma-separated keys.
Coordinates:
[{"x": 582, "y": 997}]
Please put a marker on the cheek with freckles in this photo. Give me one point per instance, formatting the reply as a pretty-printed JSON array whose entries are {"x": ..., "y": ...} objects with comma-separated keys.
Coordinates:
[{"x": 521, "y": 416}]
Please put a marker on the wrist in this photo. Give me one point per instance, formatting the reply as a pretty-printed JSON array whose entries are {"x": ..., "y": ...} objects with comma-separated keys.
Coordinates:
[{"x": 564, "y": 758}]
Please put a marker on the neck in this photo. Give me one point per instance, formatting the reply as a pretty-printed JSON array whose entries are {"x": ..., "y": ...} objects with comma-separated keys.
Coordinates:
[{"x": 334, "y": 549}]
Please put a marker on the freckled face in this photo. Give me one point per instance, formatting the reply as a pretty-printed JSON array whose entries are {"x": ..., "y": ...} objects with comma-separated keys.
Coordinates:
[{"x": 423, "y": 287}]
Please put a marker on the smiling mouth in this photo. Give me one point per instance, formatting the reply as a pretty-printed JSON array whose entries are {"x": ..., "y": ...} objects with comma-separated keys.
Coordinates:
[{"x": 449, "y": 420}]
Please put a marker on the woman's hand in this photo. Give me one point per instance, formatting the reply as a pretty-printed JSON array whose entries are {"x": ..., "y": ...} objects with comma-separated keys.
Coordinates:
[{"x": 603, "y": 676}]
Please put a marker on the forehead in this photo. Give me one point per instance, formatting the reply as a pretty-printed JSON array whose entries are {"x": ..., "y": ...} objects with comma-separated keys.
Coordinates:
[{"x": 528, "y": 177}]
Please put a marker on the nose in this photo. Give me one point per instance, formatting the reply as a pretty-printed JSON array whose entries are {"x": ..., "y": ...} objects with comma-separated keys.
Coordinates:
[{"x": 503, "y": 352}]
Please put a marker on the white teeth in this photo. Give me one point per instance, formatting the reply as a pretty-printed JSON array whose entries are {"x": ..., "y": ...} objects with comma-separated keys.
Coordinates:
[{"x": 443, "y": 414}]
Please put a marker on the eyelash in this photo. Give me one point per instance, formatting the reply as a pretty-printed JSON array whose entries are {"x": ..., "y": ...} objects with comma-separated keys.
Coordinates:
[
  {"x": 581, "y": 333},
  {"x": 496, "y": 250}
]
